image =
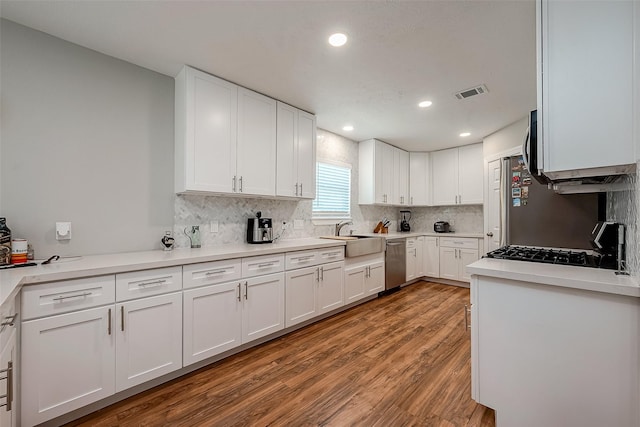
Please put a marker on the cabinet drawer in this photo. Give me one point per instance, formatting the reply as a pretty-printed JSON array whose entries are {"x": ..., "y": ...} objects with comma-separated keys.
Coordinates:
[
  {"x": 331, "y": 254},
  {"x": 459, "y": 242},
  {"x": 301, "y": 259},
  {"x": 209, "y": 273},
  {"x": 411, "y": 242},
  {"x": 258, "y": 265},
  {"x": 69, "y": 295},
  {"x": 145, "y": 283}
]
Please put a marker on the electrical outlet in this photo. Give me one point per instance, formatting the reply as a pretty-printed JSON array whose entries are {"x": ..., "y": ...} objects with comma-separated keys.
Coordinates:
[
  {"x": 63, "y": 231},
  {"x": 213, "y": 226},
  {"x": 298, "y": 224}
]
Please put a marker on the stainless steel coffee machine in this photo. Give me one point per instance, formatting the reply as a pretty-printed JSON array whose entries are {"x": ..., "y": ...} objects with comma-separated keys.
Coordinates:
[{"x": 259, "y": 230}]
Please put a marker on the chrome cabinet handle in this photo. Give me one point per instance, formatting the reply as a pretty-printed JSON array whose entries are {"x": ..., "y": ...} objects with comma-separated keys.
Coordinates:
[
  {"x": 9, "y": 377},
  {"x": 296, "y": 188},
  {"x": 122, "y": 318},
  {"x": 304, "y": 258},
  {"x": 322, "y": 273},
  {"x": 241, "y": 184},
  {"x": 301, "y": 189},
  {"x": 246, "y": 290},
  {"x": 153, "y": 283},
  {"x": 233, "y": 184},
  {"x": 466, "y": 317},
  {"x": 109, "y": 323},
  {"x": 210, "y": 273},
  {"x": 9, "y": 321},
  {"x": 411, "y": 199},
  {"x": 84, "y": 294},
  {"x": 239, "y": 293},
  {"x": 317, "y": 274},
  {"x": 268, "y": 264}
]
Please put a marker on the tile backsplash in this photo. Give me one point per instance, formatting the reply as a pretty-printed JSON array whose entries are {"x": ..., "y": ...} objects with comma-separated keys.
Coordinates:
[
  {"x": 231, "y": 213},
  {"x": 622, "y": 206}
]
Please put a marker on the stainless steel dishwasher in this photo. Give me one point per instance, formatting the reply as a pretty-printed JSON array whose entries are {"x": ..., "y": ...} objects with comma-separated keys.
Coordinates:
[{"x": 395, "y": 265}]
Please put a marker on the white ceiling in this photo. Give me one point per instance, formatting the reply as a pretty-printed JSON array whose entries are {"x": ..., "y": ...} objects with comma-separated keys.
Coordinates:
[{"x": 399, "y": 53}]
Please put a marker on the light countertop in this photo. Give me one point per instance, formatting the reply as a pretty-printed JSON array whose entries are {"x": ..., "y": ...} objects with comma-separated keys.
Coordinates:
[
  {"x": 11, "y": 280},
  {"x": 591, "y": 279},
  {"x": 398, "y": 234}
]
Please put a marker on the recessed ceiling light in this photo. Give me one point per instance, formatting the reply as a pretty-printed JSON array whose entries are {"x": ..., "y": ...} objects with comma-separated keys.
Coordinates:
[
  {"x": 337, "y": 39},
  {"x": 465, "y": 134},
  {"x": 425, "y": 104},
  {"x": 347, "y": 128}
]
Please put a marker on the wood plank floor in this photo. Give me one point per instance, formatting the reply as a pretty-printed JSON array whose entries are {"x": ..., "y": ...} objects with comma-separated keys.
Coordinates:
[{"x": 400, "y": 360}]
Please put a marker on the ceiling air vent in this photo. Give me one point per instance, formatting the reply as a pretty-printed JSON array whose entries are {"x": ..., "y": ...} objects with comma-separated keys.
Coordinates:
[{"x": 478, "y": 90}]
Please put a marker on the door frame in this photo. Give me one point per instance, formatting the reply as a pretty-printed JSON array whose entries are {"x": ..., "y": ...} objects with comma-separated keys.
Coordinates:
[{"x": 515, "y": 151}]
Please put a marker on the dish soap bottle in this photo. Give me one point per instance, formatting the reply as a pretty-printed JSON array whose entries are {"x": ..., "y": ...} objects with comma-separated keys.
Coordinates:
[{"x": 5, "y": 242}]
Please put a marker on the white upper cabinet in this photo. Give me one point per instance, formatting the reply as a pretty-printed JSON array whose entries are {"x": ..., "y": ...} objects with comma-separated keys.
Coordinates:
[
  {"x": 296, "y": 153},
  {"x": 419, "y": 179},
  {"x": 205, "y": 132},
  {"x": 256, "y": 153},
  {"x": 384, "y": 174},
  {"x": 585, "y": 85},
  {"x": 457, "y": 176}
]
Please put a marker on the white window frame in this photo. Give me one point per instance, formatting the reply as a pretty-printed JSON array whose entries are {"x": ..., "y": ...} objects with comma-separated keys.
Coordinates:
[{"x": 327, "y": 220}]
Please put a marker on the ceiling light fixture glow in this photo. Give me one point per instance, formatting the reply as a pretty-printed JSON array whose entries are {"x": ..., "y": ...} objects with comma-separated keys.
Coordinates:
[
  {"x": 425, "y": 104},
  {"x": 465, "y": 134},
  {"x": 337, "y": 39},
  {"x": 347, "y": 128}
]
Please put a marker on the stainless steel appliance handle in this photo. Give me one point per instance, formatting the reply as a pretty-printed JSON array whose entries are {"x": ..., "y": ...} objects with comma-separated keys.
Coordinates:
[{"x": 395, "y": 244}]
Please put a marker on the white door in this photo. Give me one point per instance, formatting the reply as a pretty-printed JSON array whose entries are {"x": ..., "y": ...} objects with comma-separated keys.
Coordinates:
[
  {"x": 375, "y": 278},
  {"x": 331, "y": 288},
  {"x": 383, "y": 173},
  {"x": 471, "y": 175},
  {"x": 286, "y": 163},
  {"x": 68, "y": 361},
  {"x": 448, "y": 263},
  {"x": 211, "y": 126},
  {"x": 400, "y": 177},
  {"x": 306, "y": 156},
  {"x": 148, "y": 339},
  {"x": 493, "y": 206},
  {"x": 466, "y": 257},
  {"x": 256, "y": 155},
  {"x": 301, "y": 295},
  {"x": 263, "y": 306},
  {"x": 444, "y": 177},
  {"x": 431, "y": 257},
  {"x": 212, "y": 321},
  {"x": 354, "y": 284},
  {"x": 9, "y": 410}
]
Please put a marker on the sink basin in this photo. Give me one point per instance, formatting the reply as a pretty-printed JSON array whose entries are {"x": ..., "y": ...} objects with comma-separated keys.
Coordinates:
[{"x": 361, "y": 245}]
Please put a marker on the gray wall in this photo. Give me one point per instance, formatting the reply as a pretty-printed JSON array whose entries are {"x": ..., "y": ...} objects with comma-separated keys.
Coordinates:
[
  {"x": 508, "y": 137},
  {"x": 85, "y": 138}
]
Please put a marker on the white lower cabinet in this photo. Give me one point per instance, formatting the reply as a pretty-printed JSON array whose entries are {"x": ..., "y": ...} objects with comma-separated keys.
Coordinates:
[
  {"x": 148, "y": 339},
  {"x": 205, "y": 310},
  {"x": 68, "y": 361},
  {"x": 431, "y": 257},
  {"x": 354, "y": 283},
  {"x": 313, "y": 291},
  {"x": 363, "y": 278},
  {"x": 455, "y": 255},
  {"x": 415, "y": 262},
  {"x": 8, "y": 369},
  {"x": 263, "y": 306}
]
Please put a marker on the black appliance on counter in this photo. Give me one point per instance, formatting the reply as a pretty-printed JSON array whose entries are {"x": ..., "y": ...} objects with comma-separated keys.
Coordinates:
[
  {"x": 259, "y": 230},
  {"x": 441, "y": 227},
  {"x": 404, "y": 221}
]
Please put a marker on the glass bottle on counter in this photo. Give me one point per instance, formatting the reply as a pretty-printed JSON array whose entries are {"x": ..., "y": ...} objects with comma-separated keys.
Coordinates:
[{"x": 5, "y": 242}]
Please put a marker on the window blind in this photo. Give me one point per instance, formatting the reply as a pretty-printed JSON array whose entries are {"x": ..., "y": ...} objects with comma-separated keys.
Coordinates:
[{"x": 333, "y": 192}]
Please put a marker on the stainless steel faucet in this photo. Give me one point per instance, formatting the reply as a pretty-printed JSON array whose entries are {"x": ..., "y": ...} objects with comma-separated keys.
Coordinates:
[{"x": 340, "y": 225}]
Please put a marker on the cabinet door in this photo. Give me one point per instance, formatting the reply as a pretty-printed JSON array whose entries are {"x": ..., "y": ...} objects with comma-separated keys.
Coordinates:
[
  {"x": 466, "y": 257},
  {"x": 374, "y": 282},
  {"x": 148, "y": 339},
  {"x": 444, "y": 177},
  {"x": 587, "y": 84},
  {"x": 331, "y": 289},
  {"x": 68, "y": 361},
  {"x": 431, "y": 257},
  {"x": 286, "y": 162},
  {"x": 419, "y": 256},
  {"x": 212, "y": 321},
  {"x": 400, "y": 177},
  {"x": 206, "y": 124},
  {"x": 419, "y": 179},
  {"x": 306, "y": 155},
  {"x": 411, "y": 259},
  {"x": 263, "y": 306},
  {"x": 471, "y": 177},
  {"x": 301, "y": 295},
  {"x": 256, "y": 153},
  {"x": 449, "y": 263},
  {"x": 8, "y": 412},
  {"x": 354, "y": 284},
  {"x": 383, "y": 171}
]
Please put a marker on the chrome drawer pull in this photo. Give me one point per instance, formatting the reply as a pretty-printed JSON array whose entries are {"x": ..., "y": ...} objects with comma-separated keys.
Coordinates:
[
  {"x": 153, "y": 283},
  {"x": 268, "y": 264},
  {"x": 210, "y": 273},
  {"x": 304, "y": 258},
  {"x": 82, "y": 295}
]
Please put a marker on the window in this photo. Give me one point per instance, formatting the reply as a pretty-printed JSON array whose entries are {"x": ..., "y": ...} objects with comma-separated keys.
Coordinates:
[{"x": 333, "y": 191}]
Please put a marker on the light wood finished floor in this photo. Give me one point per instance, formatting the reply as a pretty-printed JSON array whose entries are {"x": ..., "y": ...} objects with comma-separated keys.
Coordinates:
[{"x": 400, "y": 360}]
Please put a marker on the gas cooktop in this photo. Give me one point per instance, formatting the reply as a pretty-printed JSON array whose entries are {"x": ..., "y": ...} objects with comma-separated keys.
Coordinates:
[{"x": 547, "y": 256}]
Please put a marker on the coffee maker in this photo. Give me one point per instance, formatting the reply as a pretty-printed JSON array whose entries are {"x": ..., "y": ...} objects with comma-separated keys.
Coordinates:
[
  {"x": 405, "y": 216},
  {"x": 259, "y": 230}
]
